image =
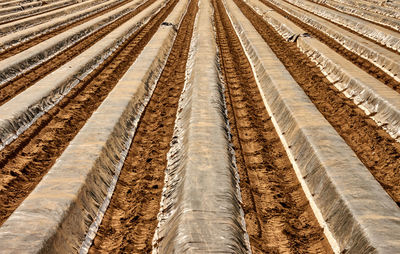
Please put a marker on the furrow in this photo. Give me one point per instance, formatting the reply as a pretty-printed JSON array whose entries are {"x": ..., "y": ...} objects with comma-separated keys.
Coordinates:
[
  {"x": 350, "y": 46},
  {"x": 200, "y": 206},
  {"x": 28, "y": 158},
  {"x": 379, "y": 34},
  {"x": 348, "y": 201},
  {"x": 130, "y": 221},
  {"x": 17, "y": 42},
  {"x": 278, "y": 216},
  {"x": 24, "y": 108},
  {"x": 384, "y": 21},
  {"x": 377, "y": 100},
  {"x": 17, "y": 65},
  {"x": 27, "y": 22},
  {"x": 4, "y": 19},
  {"x": 379, "y": 152},
  {"x": 57, "y": 215}
]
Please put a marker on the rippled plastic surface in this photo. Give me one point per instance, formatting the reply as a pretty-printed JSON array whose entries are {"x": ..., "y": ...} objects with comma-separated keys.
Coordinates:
[
  {"x": 20, "y": 63},
  {"x": 21, "y": 111},
  {"x": 360, "y": 215},
  {"x": 381, "y": 57},
  {"x": 384, "y": 36},
  {"x": 24, "y": 23},
  {"x": 375, "y": 17},
  {"x": 374, "y": 97},
  {"x": 72, "y": 198},
  {"x": 200, "y": 207},
  {"x": 32, "y": 11},
  {"x": 27, "y": 33}
]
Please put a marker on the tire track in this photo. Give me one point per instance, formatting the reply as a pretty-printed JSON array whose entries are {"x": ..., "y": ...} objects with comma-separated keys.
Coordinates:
[
  {"x": 278, "y": 216},
  {"x": 22, "y": 82},
  {"x": 373, "y": 146},
  {"x": 131, "y": 219},
  {"x": 26, "y": 160},
  {"x": 360, "y": 62}
]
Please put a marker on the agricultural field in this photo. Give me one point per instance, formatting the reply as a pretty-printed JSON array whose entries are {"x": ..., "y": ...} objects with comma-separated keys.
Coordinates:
[{"x": 199, "y": 126}]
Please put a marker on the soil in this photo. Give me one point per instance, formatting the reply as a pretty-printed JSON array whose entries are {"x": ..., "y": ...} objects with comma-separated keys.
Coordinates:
[
  {"x": 16, "y": 86},
  {"x": 361, "y": 17},
  {"x": 360, "y": 62},
  {"x": 36, "y": 40},
  {"x": 278, "y": 216},
  {"x": 348, "y": 29},
  {"x": 130, "y": 221},
  {"x": 25, "y": 161},
  {"x": 374, "y": 147}
]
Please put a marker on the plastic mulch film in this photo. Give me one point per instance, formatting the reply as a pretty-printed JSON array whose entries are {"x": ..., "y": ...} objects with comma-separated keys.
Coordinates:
[{"x": 201, "y": 203}]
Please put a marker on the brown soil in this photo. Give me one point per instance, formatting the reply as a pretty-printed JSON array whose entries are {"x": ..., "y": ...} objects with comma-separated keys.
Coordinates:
[
  {"x": 34, "y": 14},
  {"x": 278, "y": 216},
  {"x": 20, "y": 83},
  {"x": 348, "y": 29},
  {"x": 360, "y": 62},
  {"x": 375, "y": 148},
  {"x": 36, "y": 40},
  {"x": 130, "y": 221},
  {"x": 359, "y": 17},
  {"x": 24, "y": 162}
]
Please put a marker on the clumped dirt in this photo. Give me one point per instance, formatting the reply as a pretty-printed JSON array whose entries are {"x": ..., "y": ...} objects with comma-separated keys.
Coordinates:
[
  {"x": 11, "y": 89},
  {"x": 278, "y": 216},
  {"x": 24, "y": 162},
  {"x": 36, "y": 40},
  {"x": 360, "y": 62},
  {"x": 130, "y": 221},
  {"x": 376, "y": 149}
]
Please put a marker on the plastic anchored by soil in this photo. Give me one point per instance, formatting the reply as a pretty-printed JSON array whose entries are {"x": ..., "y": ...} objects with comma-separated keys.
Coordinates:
[
  {"x": 131, "y": 218},
  {"x": 22, "y": 82},
  {"x": 351, "y": 56},
  {"x": 278, "y": 216},
  {"x": 25, "y": 161},
  {"x": 375, "y": 148},
  {"x": 30, "y": 43}
]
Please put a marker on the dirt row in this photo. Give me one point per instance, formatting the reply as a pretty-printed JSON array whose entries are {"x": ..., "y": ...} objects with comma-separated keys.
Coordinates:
[
  {"x": 376, "y": 149},
  {"x": 348, "y": 29},
  {"x": 359, "y": 17},
  {"x": 360, "y": 62},
  {"x": 34, "y": 14},
  {"x": 26, "y": 160},
  {"x": 278, "y": 216},
  {"x": 131, "y": 218},
  {"x": 32, "y": 42},
  {"x": 12, "y": 88}
]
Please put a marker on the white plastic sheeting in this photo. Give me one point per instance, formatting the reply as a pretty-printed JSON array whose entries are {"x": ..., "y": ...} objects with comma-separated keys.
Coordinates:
[
  {"x": 22, "y": 110},
  {"x": 18, "y": 37},
  {"x": 374, "y": 97},
  {"x": 201, "y": 203},
  {"x": 377, "y": 33},
  {"x": 72, "y": 198},
  {"x": 20, "y": 63},
  {"x": 359, "y": 214}
]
